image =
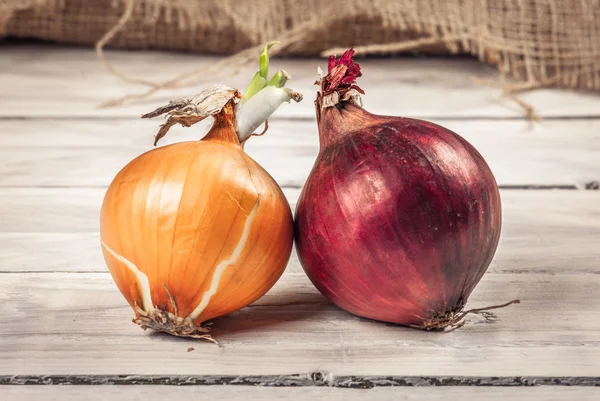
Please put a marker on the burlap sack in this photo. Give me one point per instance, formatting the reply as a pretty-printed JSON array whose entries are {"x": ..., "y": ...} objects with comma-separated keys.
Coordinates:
[{"x": 536, "y": 42}]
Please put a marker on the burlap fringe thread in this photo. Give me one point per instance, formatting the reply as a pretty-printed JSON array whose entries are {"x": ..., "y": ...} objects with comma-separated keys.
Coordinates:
[{"x": 536, "y": 43}]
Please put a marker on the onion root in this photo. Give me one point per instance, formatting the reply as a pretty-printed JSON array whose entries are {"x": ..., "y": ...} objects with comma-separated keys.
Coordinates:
[{"x": 455, "y": 319}]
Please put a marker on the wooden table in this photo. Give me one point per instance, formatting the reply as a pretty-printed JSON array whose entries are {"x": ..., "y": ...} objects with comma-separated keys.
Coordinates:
[{"x": 63, "y": 321}]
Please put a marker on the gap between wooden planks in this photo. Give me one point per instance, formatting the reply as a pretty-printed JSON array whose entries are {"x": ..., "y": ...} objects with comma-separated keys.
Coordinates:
[
  {"x": 84, "y": 153},
  {"x": 35, "y": 82}
]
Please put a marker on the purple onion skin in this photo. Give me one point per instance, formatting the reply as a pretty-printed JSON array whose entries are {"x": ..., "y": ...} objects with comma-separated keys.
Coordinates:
[{"x": 399, "y": 218}]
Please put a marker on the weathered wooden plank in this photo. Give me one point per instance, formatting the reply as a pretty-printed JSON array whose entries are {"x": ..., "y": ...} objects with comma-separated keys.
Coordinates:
[
  {"x": 66, "y": 210},
  {"x": 79, "y": 324},
  {"x": 56, "y": 229},
  {"x": 216, "y": 393},
  {"x": 50, "y": 209},
  {"x": 50, "y": 252},
  {"x": 35, "y": 82},
  {"x": 91, "y": 152}
]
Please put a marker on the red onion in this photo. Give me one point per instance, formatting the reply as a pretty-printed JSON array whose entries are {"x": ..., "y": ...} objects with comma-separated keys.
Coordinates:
[{"x": 399, "y": 218}]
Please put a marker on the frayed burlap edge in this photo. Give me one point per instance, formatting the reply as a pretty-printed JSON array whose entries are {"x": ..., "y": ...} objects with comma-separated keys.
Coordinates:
[{"x": 489, "y": 30}]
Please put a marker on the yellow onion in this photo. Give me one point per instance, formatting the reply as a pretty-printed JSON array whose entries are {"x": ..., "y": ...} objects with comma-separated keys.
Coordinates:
[{"x": 196, "y": 230}]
